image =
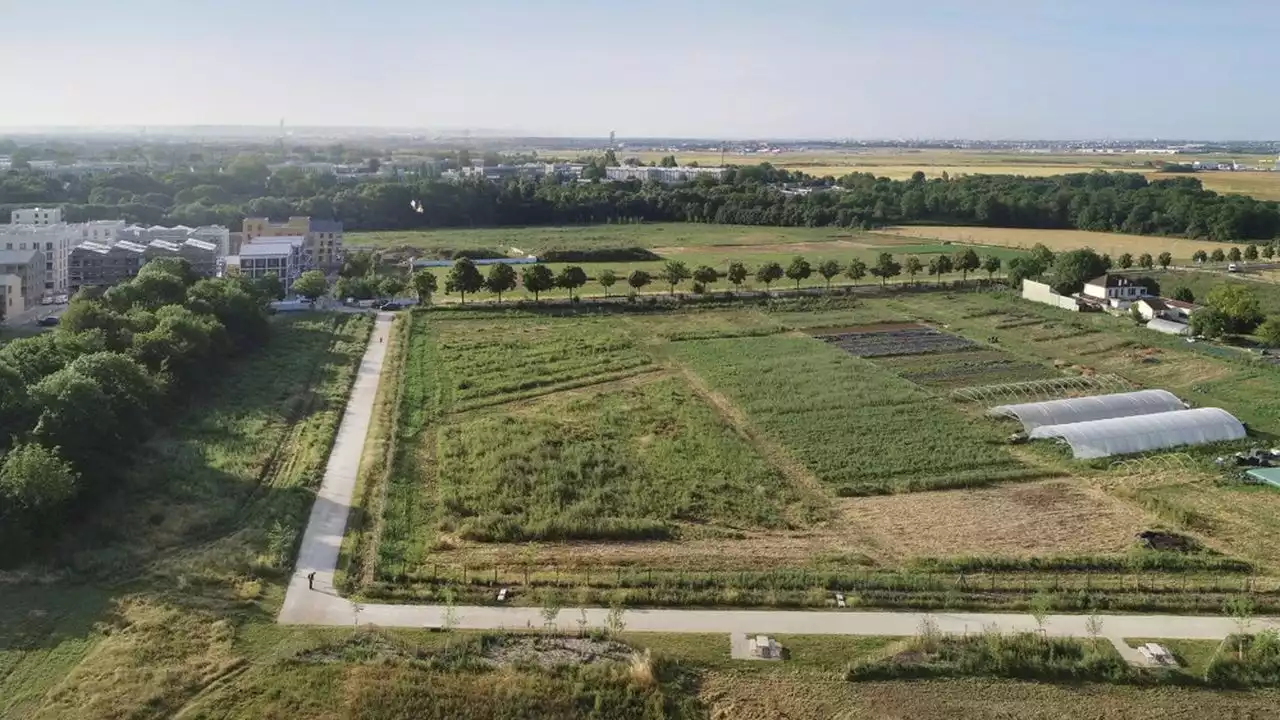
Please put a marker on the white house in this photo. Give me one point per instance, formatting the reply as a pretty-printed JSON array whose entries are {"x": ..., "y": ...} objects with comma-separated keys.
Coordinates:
[
  {"x": 1116, "y": 290},
  {"x": 1151, "y": 308},
  {"x": 281, "y": 255}
]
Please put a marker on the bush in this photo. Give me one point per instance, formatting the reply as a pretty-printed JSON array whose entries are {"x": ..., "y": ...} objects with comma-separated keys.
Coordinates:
[
  {"x": 1024, "y": 656},
  {"x": 604, "y": 254}
]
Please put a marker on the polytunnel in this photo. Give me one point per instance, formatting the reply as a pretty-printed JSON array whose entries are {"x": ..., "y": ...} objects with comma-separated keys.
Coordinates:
[
  {"x": 1122, "y": 436},
  {"x": 1097, "y": 407}
]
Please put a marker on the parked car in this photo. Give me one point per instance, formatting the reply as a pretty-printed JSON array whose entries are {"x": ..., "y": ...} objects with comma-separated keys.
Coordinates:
[
  {"x": 390, "y": 306},
  {"x": 50, "y": 321}
]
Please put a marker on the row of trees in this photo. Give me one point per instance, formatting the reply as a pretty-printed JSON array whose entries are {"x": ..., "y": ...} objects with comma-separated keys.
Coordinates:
[
  {"x": 76, "y": 402},
  {"x": 466, "y": 278},
  {"x": 1250, "y": 253},
  {"x": 752, "y": 195}
]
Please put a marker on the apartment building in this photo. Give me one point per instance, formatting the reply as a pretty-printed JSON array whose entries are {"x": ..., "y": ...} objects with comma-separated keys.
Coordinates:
[
  {"x": 36, "y": 216},
  {"x": 322, "y": 239},
  {"x": 21, "y": 280},
  {"x": 217, "y": 234},
  {"x": 664, "y": 175},
  {"x": 285, "y": 256},
  {"x": 93, "y": 264},
  {"x": 53, "y": 241}
]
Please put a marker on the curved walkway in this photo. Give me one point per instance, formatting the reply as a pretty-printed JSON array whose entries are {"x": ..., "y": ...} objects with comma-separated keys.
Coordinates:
[{"x": 323, "y": 539}]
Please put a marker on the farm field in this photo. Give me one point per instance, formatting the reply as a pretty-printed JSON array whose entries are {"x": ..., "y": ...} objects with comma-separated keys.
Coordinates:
[
  {"x": 900, "y": 165},
  {"x": 687, "y": 455},
  {"x": 1059, "y": 240},
  {"x": 624, "y": 248}
]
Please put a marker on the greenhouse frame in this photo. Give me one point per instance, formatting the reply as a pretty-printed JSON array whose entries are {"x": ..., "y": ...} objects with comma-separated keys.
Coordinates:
[
  {"x": 1096, "y": 407},
  {"x": 1140, "y": 433}
]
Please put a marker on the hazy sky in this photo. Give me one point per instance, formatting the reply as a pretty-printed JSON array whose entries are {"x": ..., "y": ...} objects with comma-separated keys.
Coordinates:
[{"x": 706, "y": 68}]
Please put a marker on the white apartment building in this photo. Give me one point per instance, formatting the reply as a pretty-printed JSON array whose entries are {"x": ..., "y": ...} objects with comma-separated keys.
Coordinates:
[
  {"x": 666, "y": 176},
  {"x": 284, "y": 255},
  {"x": 36, "y": 216}
]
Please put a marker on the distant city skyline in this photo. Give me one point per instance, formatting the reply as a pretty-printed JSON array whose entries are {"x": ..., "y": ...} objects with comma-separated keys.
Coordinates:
[{"x": 732, "y": 69}]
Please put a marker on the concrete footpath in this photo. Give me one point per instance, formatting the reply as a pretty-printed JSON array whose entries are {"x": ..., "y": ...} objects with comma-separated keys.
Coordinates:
[{"x": 323, "y": 540}]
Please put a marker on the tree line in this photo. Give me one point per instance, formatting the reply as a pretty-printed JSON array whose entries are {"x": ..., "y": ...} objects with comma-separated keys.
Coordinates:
[
  {"x": 76, "y": 402},
  {"x": 466, "y": 278},
  {"x": 751, "y": 195}
]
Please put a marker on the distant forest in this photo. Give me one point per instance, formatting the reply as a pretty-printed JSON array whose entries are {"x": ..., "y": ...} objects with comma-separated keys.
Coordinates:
[{"x": 753, "y": 195}]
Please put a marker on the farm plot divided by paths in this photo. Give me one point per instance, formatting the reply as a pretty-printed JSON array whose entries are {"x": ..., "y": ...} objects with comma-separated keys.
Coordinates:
[
  {"x": 893, "y": 340},
  {"x": 858, "y": 428}
]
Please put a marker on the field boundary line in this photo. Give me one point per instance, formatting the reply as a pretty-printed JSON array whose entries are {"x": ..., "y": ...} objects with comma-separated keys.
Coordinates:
[{"x": 777, "y": 455}]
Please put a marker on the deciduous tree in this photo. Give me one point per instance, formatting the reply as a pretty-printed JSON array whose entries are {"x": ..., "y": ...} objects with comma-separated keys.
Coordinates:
[
  {"x": 991, "y": 264},
  {"x": 966, "y": 261},
  {"x": 501, "y": 278},
  {"x": 1125, "y": 261},
  {"x": 607, "y": 279},
  {"x": 571, "y": 278},
  {"x": 1239, "y": 306},
  {"x": 737, "y": 273},
  {"x": 1165, "y": 259},
  {"x": 799, "y": 270},
  {"x": 638, "y": 279},
  {"x": 705, "y": 275},
  {"x": 768, "y": 273},
  {"x": 913, "y": 266},
  {"x": 425, "y": 285},
  {"x": 463, "y": 278},
  {"x": 829, "y": 270},
  {"x": 886, "y": 267},
  {"x": 311, "y": 285},
  {"x": 1144, "y": 261},
  {"x": 855, "y": 270},
  {"x": 674, "y": 273},
  {"x": 537, "y": 279}
]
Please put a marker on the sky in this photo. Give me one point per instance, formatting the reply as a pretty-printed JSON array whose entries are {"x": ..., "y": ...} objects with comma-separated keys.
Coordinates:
[{"x": 978, "y": 69}]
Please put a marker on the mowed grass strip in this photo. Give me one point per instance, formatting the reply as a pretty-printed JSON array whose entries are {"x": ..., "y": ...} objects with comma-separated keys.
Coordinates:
[
  {"x": 637, "y": 462},
  {"x": 505, "y": 360},
  {"x": 861, "y": 429}
]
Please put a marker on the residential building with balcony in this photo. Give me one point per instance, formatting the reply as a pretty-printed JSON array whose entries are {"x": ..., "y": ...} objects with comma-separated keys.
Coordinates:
[
  {"x": 93, "y": 264},
  {"x": 322, "y": 239},
  {"x": 283, "y": 256},
  {"x": 21, "y": 280}
]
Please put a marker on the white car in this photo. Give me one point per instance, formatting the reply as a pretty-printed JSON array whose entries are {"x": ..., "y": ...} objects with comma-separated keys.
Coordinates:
[{"x": 1233, "y": 268}]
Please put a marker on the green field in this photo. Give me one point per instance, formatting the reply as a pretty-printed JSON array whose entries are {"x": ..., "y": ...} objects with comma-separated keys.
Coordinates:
[
  {"x": 712, "y": 245},
  {"x": 860, "y": 429}
]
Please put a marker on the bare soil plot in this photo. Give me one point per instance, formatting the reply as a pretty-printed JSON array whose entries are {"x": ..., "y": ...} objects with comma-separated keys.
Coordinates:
[
  {"x": 1022, "y": 520},
  {"x": 880, "y": 342},
  {"x": 975, "y": 367}
]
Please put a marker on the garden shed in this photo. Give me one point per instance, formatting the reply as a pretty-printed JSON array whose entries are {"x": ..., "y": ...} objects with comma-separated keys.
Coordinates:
[
  {"x": 1140, "y": 433},
  {"x": 1097, "y": 407}
]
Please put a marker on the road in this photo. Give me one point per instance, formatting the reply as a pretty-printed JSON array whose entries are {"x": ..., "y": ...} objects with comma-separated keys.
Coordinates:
[{"x": 323, "y": 606}]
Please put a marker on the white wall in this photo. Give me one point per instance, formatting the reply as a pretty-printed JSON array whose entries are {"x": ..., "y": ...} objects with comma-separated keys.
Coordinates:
[
  {"x": 1042, "y": 293},
  {"x": 36, "y": 216}
]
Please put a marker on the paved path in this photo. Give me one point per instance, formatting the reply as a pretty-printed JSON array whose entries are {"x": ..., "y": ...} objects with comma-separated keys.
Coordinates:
[{"x": 323, "y": 539}]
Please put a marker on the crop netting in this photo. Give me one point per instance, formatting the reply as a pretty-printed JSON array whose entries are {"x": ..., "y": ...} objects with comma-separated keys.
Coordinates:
[{"x": 1042, "y": 389}]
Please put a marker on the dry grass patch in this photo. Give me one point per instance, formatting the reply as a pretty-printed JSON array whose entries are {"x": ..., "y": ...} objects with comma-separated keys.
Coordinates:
[
  {"x": 741, "y": 696},
  {"x": 1059, "y": 240},
  {"x": 1054, "y": 518}
]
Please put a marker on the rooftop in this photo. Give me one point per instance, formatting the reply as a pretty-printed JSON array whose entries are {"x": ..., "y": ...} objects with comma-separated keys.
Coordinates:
[
  {"x": 281, "y": 245},
  {"x": 1110, "y": 280},
  {"x": 18, "y": 257}
]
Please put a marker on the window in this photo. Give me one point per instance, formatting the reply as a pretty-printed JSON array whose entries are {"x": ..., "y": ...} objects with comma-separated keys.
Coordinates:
[{"x": 48, "y": 246}]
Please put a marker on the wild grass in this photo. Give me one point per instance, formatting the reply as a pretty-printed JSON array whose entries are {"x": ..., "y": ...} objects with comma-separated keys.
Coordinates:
[
  {"x": 494, "y": 362},
  {"x": 858, "y": 428},
  {"x": 1024, "y": 656},
  {"x": 628, "y": 464}
]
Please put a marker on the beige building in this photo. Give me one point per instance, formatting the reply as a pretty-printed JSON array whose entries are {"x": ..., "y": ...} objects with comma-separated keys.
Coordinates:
[
  {"x": 21, "y": 280},
  {"x": 36, "y": 216},
  {"x": 322, "y": 239}
]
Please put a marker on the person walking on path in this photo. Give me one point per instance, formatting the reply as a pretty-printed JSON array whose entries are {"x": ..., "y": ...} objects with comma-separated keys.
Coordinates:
[{"x": 311, "y": 580}]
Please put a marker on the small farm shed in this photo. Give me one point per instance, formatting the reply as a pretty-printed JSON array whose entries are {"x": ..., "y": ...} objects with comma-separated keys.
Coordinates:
[
  {"x": 1169, "y": 327},
  {"x": 1270, "y": 475},
  {"x": 1125, "y": 435},
  {"x": 1097, "y": 407}
]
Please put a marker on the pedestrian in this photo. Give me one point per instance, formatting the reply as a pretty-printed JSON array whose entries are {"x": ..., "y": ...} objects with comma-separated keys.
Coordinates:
[{"x": 311, "y": 580}]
